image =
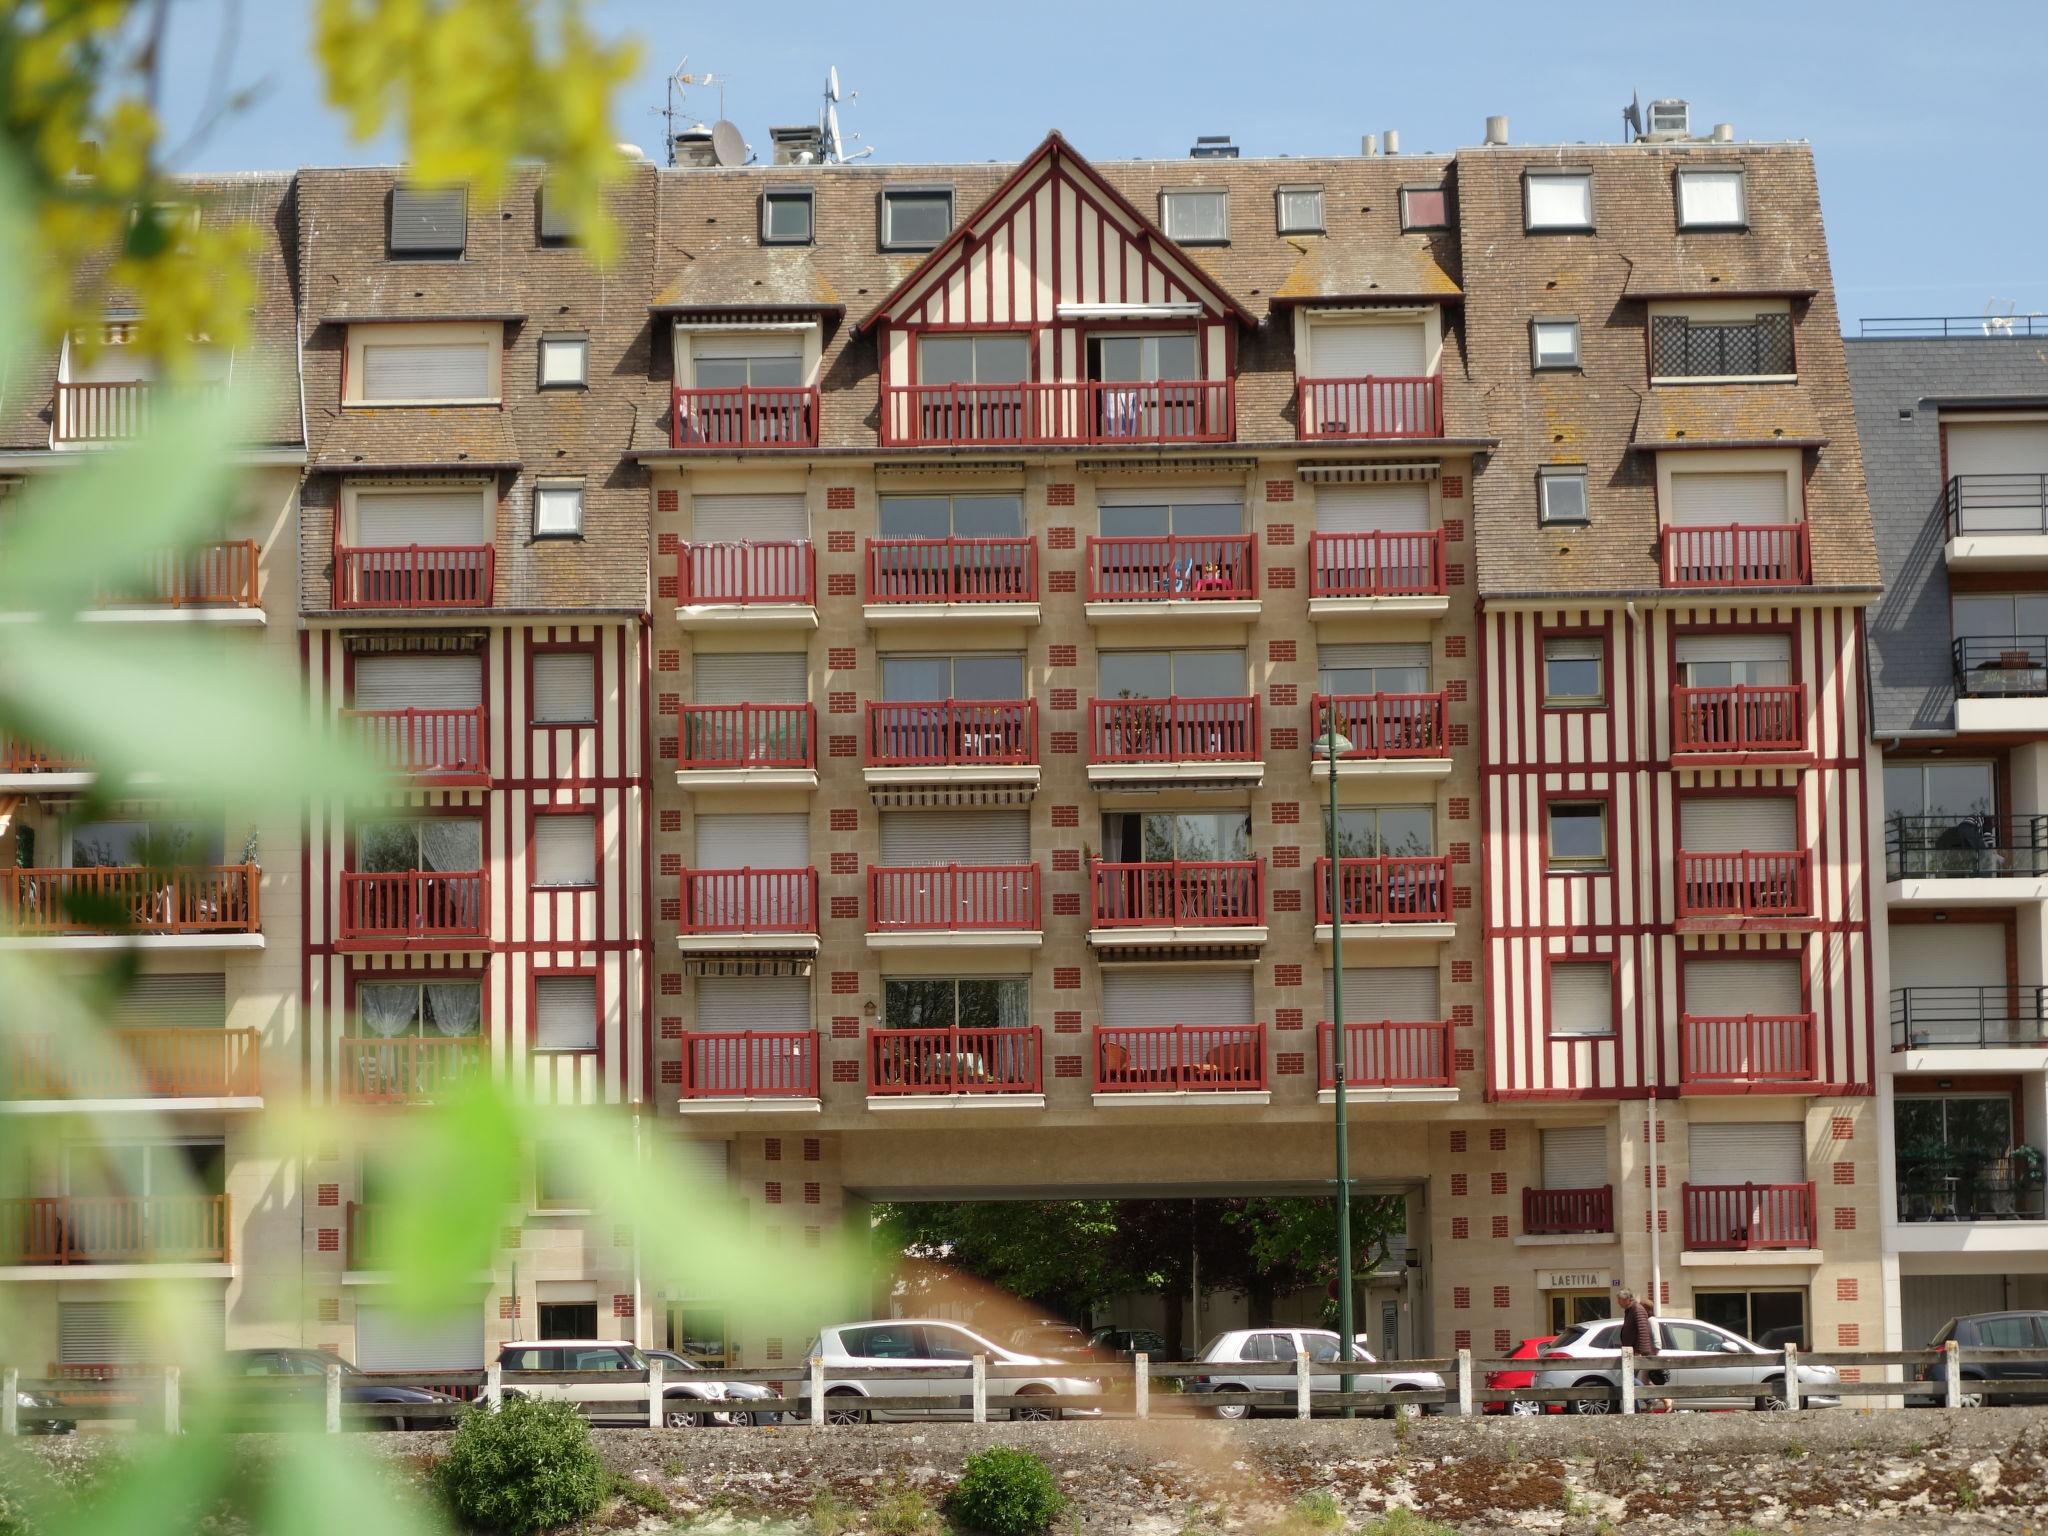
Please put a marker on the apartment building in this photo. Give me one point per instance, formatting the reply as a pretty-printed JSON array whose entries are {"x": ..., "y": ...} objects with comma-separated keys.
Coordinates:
[{"x": 1953, "y": 417}]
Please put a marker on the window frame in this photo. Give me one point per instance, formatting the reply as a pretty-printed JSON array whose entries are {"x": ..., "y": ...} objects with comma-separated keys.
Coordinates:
[
  {"x": 952, "y": 500},
  {"x": 581, "y": 339},
  {"x": 1550, "y": 1030},
  {"x": 356, "y": 980},
  {"x": 808, "y": 196},
  {"x": 1413, "y": 225},
  {"x": 885, "y": 222},
  {"x": 488, "y": 334},
  {"x": 589, "y": 813},
  {"x": 1280, "y": 196},
  {"x": 886, "y": 1020},
  {"x": 436, "y": 253},
  {"x": 558, "y": 483},
  {"x": 585, "y": 649},
  {"x": 1575, "y": 364},
  {"x": 559, "y": 239},
  {"x": 1578, "y": 703},
  {"x": 1740, "y": 223},
  {"x": 1558, "y": 173},
  {"x": 1548, "y": 474},
  {"x": 1598, "y": 864},
  {"x": 1166, "y": 197},
  {"x": 564, "y": 973}
]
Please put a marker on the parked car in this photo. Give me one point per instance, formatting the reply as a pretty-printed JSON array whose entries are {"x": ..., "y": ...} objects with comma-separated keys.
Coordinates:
[
  {"x": 1263, "y": 1360},
  {"x": 37, "y": 1413},
  {"x": 675, "y": 1366},
  {"x": 1502, "y": 1381},
  {"x": 910, "y": 1343},
  {"x": 1125, "y": 1343},
  {"x": 300, "y": 1381},
  {"x": 1991, "y": 1330},
  {"x": 1060, "y": 1341},
  {"x": 1696, "y": 1354},
  {"x": 685, "y": 1404}
]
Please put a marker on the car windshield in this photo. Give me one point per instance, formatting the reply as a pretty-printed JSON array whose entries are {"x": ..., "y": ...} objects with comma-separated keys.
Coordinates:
[
  {"x": 1214, "y": 1348},
  {"x": 1581, "y": 1333}
]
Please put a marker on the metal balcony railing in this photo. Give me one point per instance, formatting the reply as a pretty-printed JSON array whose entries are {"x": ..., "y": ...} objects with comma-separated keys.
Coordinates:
[
  {"x": 1388, "y": 889},
  {"x": 422, "y": 741},
  {"x": 734, "y": 736},
  {"x": 414, "y": 576},
  {"x": 416, "y": 905},
  {"x": 1966, "y": 1188},
  {"x": 716, "y": 575},
  {"x": 188, "y": 899},
  {"x": 1773, "y": 883},
  {"x": 1737, "y": 555},
  {"x": 2013, "y": 504},
  {"x": 949, "y": 733},
  {"x": 953, "y": 898},
  {"x": 1068, "y": 411},
  {"x": 1380, "y": 726},
  {"x": 2002, "y": 666},
  {"x": 1743, "y": 1217},
  {"x": 750, "y": 1064},
  {"x": 1176, "y": 568},
  {"x": 746, "y": 417},
  {"x": 1965, "y": 847},
  {"x": 1968, "y": 1018},
  {"x": 1746, "y": 1050},
  {"x": 1173, "y": 730},
  {"x": 1558, "y": 1212},
  {"x": 1185, "y": 893},
  {"x": 750, "y": 901},
  {"x": 1739, "y": 717}
]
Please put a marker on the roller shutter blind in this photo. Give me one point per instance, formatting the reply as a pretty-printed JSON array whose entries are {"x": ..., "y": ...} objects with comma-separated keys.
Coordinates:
[
  {"x": 2001, "y": 448},
  {"x": 1366, "y": 351},
  {"x": 709, "y": 1164},
  {"x": 434, "y": 370},
  {"x": 1948, "y": 954},
  {"x": 565, "y": 1013},
  {"x": 1731, "y": 648},
  {"x": 761, "y": 518},
  {"x": 1372, "y": 508},
  {"x": 911, "y": 838},
  {"x": 1406, "y": 994},
  {"x": 564, "y": 850},
  {"x": 195, "y": 1001},
  {"x": 1748, "y": 1152},
  {"x": 1581, "y": 998},
  {"x": 1575, "y": 1157},
  {"x": 564, "y": 687},
  {"x": 1727, "y": 989},
  {"x": 1335, "y": 658},
  {"x": 390, "y": 1340},
  {"x": 386, "y": 519},
  {"x": 753, "y": 1002},
  {"x": 428, "y": 221},
  {"x": 419, "y": 682},
  {"x": 761, "y": 841},
  {"x": 1135, "y": 999},
  {"x": 1717, "y": 499},
  {"x": 776, "y": 678},
  {"x": 715, "y": 346},
  {"x": 1731, "y": 824},
  {"x": 119, "y": 1333}
]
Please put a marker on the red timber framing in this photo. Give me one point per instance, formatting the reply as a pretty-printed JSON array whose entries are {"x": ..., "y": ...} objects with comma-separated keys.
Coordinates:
[{"x": 1056, "y": 255}]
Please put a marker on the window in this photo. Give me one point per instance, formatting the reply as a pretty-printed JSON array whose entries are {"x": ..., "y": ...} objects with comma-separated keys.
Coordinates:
[
  {"x": 1161, "y": 837},
  {"x": 1158, "y": 519},
  {"x": 976, "y": 515},
  {"x": 1196, "y": 216},
  {"x": 564, "y": 688},
  {"x": 428, "y": 222},
  {"x": 564, "y": 850},
  {"x": 747, "y": 362},
  {"x": 564, "y": 362},
  {"x": 423, "y": 364},
  {"x": 1581, "y": 998},
  {"x": 973, "y": 359},
  {"x": 950, "y": 1002},
  {"x": 566, "y": 1320},
  {"x": 558, "y": 509},
  {"x": 1561, "y": 495},
  {"x": 1772, "y": 1319},
  {"x": 1382, "y": 831},
  {"x": 1683, "y": 1338},
  {"x": 916, "y": 218},
  {"x": 884, "y": 1341},
  {"x": 553, "y": 223},
  {"x": 565, "y": 1013},
  {"x": 1425, "y": 208},
  {"x": 786, "y": 216},
  {"x": 1711, "y": 200},
  {"x": 559, "y": 1185},
  {"x": 997, "y": 675},
  {"x": 1172, "y": 674},
  {"x": 1360, "y": 669},
  {"x": 1173, "y": 357},
  {"x": 435, "y": 844},
  {"x": 1300, "y": 210},
  {"x": 1577, "y": 834},
  {"x": 447, "y": 1010},
  {"x": 1941, "y": 788},
  {"x": 1728, "y": 661},
  {"x": 1574, "y": 671},
  {"x": 1554, "y": 343},
  {"x": 1558, "y": 200},
  {"x": 143, "y": 844},
  {"x": 2021, "y": 1332}
]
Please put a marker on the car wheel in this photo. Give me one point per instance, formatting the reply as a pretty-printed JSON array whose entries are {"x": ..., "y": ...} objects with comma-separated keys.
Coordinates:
[
  {"x": 1596, "y": 1405},
  {"x": 1231, "y": 1410},
  {"x": 1773, "y": 1400},
  {"x": 840, "y": 1409},
  {"x": 1403, "y": 1410},
  {"x": 675, "y": 1415},
  {"x": 1038, "y": 1411},
  {"x": 1522, "y": 1408},
  {"x": 1972, "y": 1394}
]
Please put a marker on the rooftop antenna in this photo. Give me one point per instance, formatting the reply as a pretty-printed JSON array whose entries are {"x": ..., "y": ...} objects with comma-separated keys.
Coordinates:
[
  {"x": 1632, "y": 116},
  {"x": 678, "y": 82},
  {"x": 1999, "y": 315},
  {"x": 832, "y": 147}
]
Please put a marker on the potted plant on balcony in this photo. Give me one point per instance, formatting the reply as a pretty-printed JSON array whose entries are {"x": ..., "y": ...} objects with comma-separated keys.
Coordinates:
[
  {"x": 1140, "y": 728},
  {"x": 2029, "y": 1173}
]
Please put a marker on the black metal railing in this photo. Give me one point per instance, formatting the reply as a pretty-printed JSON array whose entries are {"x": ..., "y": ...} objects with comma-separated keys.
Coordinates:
[
  {"x": 2002, "y": 666},
  {"x": 1981, "y": 504},
  {"x": 1964, "y": 847},
  {"x": 1953, "y": 325},
  {"x": 1968, "y": 1018},
  {"x": 1965, "y": 1189},
  {"x": 1694, "y": 349}
]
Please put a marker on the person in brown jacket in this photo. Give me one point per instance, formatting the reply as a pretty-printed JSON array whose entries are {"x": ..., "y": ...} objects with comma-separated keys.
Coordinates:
[{"x": 1639, "y": 1337}]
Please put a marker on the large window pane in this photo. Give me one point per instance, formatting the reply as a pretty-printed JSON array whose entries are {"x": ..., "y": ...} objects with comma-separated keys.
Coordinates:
[
  {"x": 1984, "y": 616},
  {"x": 1136, "y": 674},
  {"x": 916, "y": 517},
  {"x": 1151, "y": 522},
  {"x": 1904, "y": 789},
  {"x": 388, "y": 847},
  {"x": 1958, "y": 789},
  {"x": 945, "y": 360},
  {"x": 918, "y": 1002},
  {"x": 916, "y": 677},
  {"x": 1209, "y": 674},
  {"x": 1001, "y": 359},
  {"x": 988, "y": 517},
  {"x": 1173, "y": 357},
  {"x": 988, "y": 677}
]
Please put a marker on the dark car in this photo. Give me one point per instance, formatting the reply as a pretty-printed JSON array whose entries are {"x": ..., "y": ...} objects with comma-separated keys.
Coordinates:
[
  {"x": 1123, "y": 1343},
  {"x": 301, "y": 1387},
  {"x": 1992, "y": 1330},
  {"x": 736, "y": 1393},
  {"x": 37, "y": 1413}
]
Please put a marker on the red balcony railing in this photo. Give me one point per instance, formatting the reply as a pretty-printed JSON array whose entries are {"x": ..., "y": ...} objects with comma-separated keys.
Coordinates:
[
  {"x": 932, "y": 1061},
  {"x": 1373, "y": 726},
  {"x": 421, "y": 741},
  {"x": 1404, "y": 889},
  {"x": 750, "y": 1064},
  {"x": 1170, "y": 411},
  {"x": 1386, "y": 406},
  {"x": 219, "y": 575},
  {"x": 114, "y": 1229},
  {"x": 1186, "y": 893},
  {"x": 17, "y": 756},
  {"x": 749, "y": 736},
  {"x": 100, "y": 413},
  {"x": 414, "y": 576},
  {"x": 1556, "y": 1212},
  {"x": 747, "y": 417},
  {"x": 1739, "y": 717},
  {"x": 1770, "y": 884},
  {"x": 191, "y": 899},
  {"x": 1747, "y": 1050},
  {"x": 952, "y": 898},
  {"x": 719, "y": 574},
  {"x": 1180, "y": 1058},
  {"x": 133, "y": 1064},
  {"x": 406, "y": 1069},
  {"x": 1386, "y": 1054},
  {"x": 1377, "y": 564},
  {"x": 952, "y": 571},
  {"x": 952, "y": 733},
  {"x": 1737, "y": 555},
  {"x": 1175, "y": 568},
  {"x": 750, "y": 901},
  {"x": 1749, "y": 1216},
  {"x": 416, "y": 904},
  {"x": 1173, "y": 730}
]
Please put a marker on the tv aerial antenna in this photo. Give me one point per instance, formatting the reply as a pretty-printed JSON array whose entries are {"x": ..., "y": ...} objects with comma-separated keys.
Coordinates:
[
  {"x": 681, "y": 80},
  {"x": 831, "y": 144}
]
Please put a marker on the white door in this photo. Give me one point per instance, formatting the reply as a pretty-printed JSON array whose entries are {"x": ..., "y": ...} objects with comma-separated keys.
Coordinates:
[
  {"x": 1138, "y": 998},
  {"x": 1733, "y": 823},
  {"x": 923, "y": 838},
  {"x": 780, "y": 677},
  {"x": 1404, "y": 993},
  {"x": 1372, "y": 508},
  {"x": 757, "y": 518},
  {"x": 1716, "y": 500},
  {"x": 434, "y": 518},
  {"x": 390, "y": 1339},
  {"x": 1730, "y": 988},
  {"x": 419, "y": 682},
  {"x": 1339, "y": 351},
  {"x": 780, "y": 840},
  {"x": 1748, "y": 1152},
  {"x": 1574, "y": 1156}
]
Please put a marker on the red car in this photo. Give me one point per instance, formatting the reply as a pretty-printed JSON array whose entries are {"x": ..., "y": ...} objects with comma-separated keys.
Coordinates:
[{"x": 1528, "y": 1349}]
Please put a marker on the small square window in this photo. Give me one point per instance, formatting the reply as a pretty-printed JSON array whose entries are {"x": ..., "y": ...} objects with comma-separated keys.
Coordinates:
[
  {"x": 428, "y": 221},
  {"x": 786, "y": 216},
  {"x": 565, "y": 1013},
  {"x": 1300, "y": 211},
  {"x": 555, "y": 225},
  {"x": 558, "y": 509},
  {"x": 1576, "y": 834},
  {"x": 1711, "y": 200},
  {"x": 916, "y": 218},
  {"x": 1425, "y": 208},
  {"x": 1581, "y": 998},
  {"x": 1574, "y": 672},
  {"x": 564, "y": 688},
  {"x": 564, "y": 362},
  {"x": 1196, "y": 215},
  {"x": 1558, "y": 200},
  {"x": 1562, "y": 495},
  {"x": 1554, "y": 344},
  {"x": 565, "y": 851}
]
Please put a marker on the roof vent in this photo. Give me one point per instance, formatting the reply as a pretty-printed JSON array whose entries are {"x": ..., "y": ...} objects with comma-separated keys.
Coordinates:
[
  {"x": 1392, "y": 139},
  {"x": 1724, "y": 133},
  {"x": 1213, "y": 146},
  {"x": 1669, "y": 119},
  {"x": 803, "y": 144},
  {"x": 1368, "y": 144},
  {"x": 1496, "y": 130},
  {"x": 693, "y": 147}
]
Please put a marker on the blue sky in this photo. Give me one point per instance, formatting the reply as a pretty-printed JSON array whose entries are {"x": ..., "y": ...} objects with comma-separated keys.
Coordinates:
[{"x": 1925, "y": 118}]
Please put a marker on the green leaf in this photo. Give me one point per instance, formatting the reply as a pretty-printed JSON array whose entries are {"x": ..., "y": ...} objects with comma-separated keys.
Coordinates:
[
  {"x": 322, "y": 1485},
  {"x": 455, "y": 1173}
]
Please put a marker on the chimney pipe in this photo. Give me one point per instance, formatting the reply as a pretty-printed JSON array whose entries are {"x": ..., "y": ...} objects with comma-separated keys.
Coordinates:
[
  {"x": 1369, "y": 144},
  {"x": 1393, "y": 138},
  {"x": 1496, "y": 130},
  {"x": 1724, "y": 133}
]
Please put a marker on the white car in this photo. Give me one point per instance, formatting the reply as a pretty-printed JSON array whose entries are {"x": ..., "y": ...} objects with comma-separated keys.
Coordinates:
[
  {"x": 909, "y": 1343},
  {"x": 1696, "y": 1354},
  {"x": 685, "y": 1404},
  {"x": 1263, "y": 1360}
]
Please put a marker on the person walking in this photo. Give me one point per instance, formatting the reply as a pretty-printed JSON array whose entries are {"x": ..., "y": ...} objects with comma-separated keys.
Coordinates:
[{"x": 1639, "y": 1336}]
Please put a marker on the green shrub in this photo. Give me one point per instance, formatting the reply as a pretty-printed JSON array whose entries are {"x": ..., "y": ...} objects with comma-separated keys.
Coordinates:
[
  {"x": 1318, "y": 1511},
  {"x": 1007, "y": 1492},
  {"x": 526, "y": 1467}
]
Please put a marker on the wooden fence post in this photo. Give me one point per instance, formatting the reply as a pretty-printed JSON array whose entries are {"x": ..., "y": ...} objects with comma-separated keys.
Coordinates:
[
  {"x": 1464, "y": 1383},
  {"x": 494, "y": 1386},
  {"x": 173, "y": 1417},
  {"x": 332, "y": 1395},
  {"x": 1301, "y": 1402},
  {"x": 1141, "y": 1385},
  {"x": 1792, "y": 1377},
  {"x": 1628, "y": 1380},
  {"x": 656, "y": 1401},
  {"x": 1951, "y": 1375},
  {"x": 979, "y": 1388},
  {"x": 818, "y": 1390},
  {"x": 10, "y": 1402}
]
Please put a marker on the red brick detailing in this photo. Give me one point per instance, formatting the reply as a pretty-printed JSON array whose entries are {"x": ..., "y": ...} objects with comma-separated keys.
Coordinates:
[
  {"x": 1461, "y": 1184},
  {"x": 1460, "y": 1228},
  {"x": 1503, "y": 1341},
  {"x": 1286, "y": 975},
  {"x": 671, "y": 863},
  {"x": 1066, "y": 1022},
  {"x": 814, "y": 1149},
  {"x": 1501, "y": 1298},
  {"x": 1287, "y": 857},
  {"x": 1288, "y": 1063},
  {"x": 667, "y": 544},
  {"x": 1066, "y": 815},
  {"x": 1066, "y": 978},
  {"x": 330, "y": 1240},
  {"x": 1458, "y": 1141},
  {"x": 1279, "y": 650},
  {"x": 1842, "y": 1128},
  {"x": 844, "y": 1028},
  {"x": 1845, "y": 1218},
  {"x": 1500, "y": 1226},
  {"x": 1462, "y": 1339},
  {"x": 1461, "y": 897},
  {"x": 840, "y": 541},
  {"x": 671, "y": 986},
  {"x": 671, "y": 1071},
  {"x": 1852, "y": 1373},
  {"x": 845, "y": 821},
  {"x": 811, "y": 1194},
  {"x": 1279, "y": 490},
  {"x": 1498, "y": 1184},
  {"x": 845, "y": 1071},
  {"x": 665, "y": 586},
  {"x": 1461, "y": 970},
  {"x": 1066, "y": 743},
  {"x": 1497, "y": 1138},
  {"x": 1059, "y": 581},
  {"x": 1463, "y": 1061},
  {"x": 1452, "y": 487},
  {"x": 1663, "y": 1221},
  {"x": 1454, "y": 575},
  {"x": 622, "y": 1304},
  {"x": 671, "y": 909},
  {"x": 666, "y": 501},
  {"x": 845, "y": 863},
  {"x": 1462, "y": 1016},
  {"x": 507, "y": 1307},
  {"x": 1848, "y": 1335},
  {"x": 1845, "y": 1288},
  {"x": 1280, "y": 535},
  {"x": 1461, "y": 735},
  {"x": 509, "y": 1237},
  {"x": 839, "y": 498},
  {"x": 845, "y": 983},
  {"x": 668, "y": 661},
  {"x": 668, "y": 704},
  {"x": 771, "y": 1149},
  {"x": 1060, "y": 494},
  {"x": 1283, "y": 695},
  {"x": 840, "y": 658},
  {"x": 1287, "y": 901},
  {"x": 1460, "y": 808},
  {"x": 843, "y": 746},
  {"x": 330, "y": 1309},
  {"x": 1062, "y": 655},
  {"x": 840, "y": 584},
  {"x": 1286, "y": 739},
  {"x": 1066, "y": 1066},
  {"x": 1286, "y": 813},
  {"x": 1461, "y": 853},
  {"x": 1461, "y": 1297},
  {"x": 1661, "y": 1127},
  {"x": 772, "y": 1192},
  {"x": 1454, "y": 691},
  {"x": 771, "y": 1350},
  {"x": 1065, "y": 698},
  {"x": 1061, "y": 537},
  {"x": 1845, "y": 1173},
  {"x": 330, "y": 1194},
  {"x": 845, "y": 908},
  {"x": 846, "y": 703},
  {"x": 670, "y": 748},
  {"x": 1066, "y": 860},
  {"x": 1280, "y": 577},
  {"x": 1454, "y": 646},
  {"x": 671, "y": 821},
  {"x": 1287, "y": 1018},
  {"x": 1066, "y": 903}
]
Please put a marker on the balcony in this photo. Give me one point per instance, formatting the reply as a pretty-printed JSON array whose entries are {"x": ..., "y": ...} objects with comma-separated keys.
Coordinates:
[
  {"x": 1739, "y": 723},
  {"x": 115, "y": 1229},
  {"x": 1700, "y": 351},
  {"x": 445, "y": 746},
  {"x": 737, "y": 1069},
  {"x": 1382, "y": 735},
  {"x": 410, "y": 576},
  {"x": 1968, "y": 1188},
  {"x": 953, "y": 905},
  {"x": 1178, "y": 575},
  {"x": 1369, "y": 409},
  {"x": 1745, "y": 890},
  {"x": 744, "y": 419},
  {"x": 1388, "y": 897},
  {"x": 1377, "y": 572},
  {"x": 144, "y": 1065},
  {"x": 2003, "y": 1028},
  {"x": 27, "y": 767},
  {"x": 1746, "y": 1218},
  {"x": 1568, "y": 1212},
  {"x": 1737, "y": 555},
  {"x": 964, "y": 751},
  {"x": 771, "y": 585},
  {"x": 1193, "y": 903},
  {"x": 85, "y": 414},
  {"x": 405, "y": 1069},
  {"x": 192, "y": 907},
  {"x": 1752, "y": 1053},
  {"x": 2001, "y": 683},
  {"x": 1996, "y": 522},
  {"x": 939, "y": 1068},
  {"x": 1066, "y": 412},
  {"x": 1965, "y": 860},
  {"x": 1387, "y": 1060},
  {"x": 1174, "y": 741},
  {"x": 747, "y": 746},
  {"x": 415, "y": 909},
  {"x": 1181, "y": 1064},
  {"x": 219, "y": 581},
  {"x": 749, "y": 911},
  {"x": 912, "y": 581}
]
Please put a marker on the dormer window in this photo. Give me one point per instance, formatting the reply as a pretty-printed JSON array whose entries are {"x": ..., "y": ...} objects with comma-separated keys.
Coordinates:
[
  {"x": 916, "y": 218},
  {"x": 787, "y": 216},
  {"x": 553, "y": 224},
  {"x": 1557, "y": 202},
  {"x": 1196, "y": 215},
  {"x": 1561, "y": 495},
  {"x": 430, "y": 222},
  {"x": 1425, "y": 208},
  {"x": 1300, "y": 210},
  {"x": 1712, "y": 200},
  {"x": 423, "y": 364}
]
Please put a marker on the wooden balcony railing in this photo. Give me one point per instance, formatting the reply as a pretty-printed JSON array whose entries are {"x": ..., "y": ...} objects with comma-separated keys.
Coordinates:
[
  {"x": 952, "y": 571},
  {"x": 953, "y": 898},
  {"x": 1747, "y": 1050},
  {"x": 416, "y": 904},
  {"x": 1382, "y": 407},
  {"x": 421, "y": 741},
  {"x": 1769, "y": 884},
  {"x": 1403, "y": 889},
  {"x": 1173, "y": 730},
  {"x": 749, "y": 736},
  {"x": 414, "y": 576},
  {"x": 24, "y": 757},
  {"x": 750, "y": 1064},
  {"x": 952, "y": 733},
  {"x": 1743, "y": 1217},
  {"x": 218, "y": 575},
  {"x": 750, "y": 901},
  {"x": 1739, "y": 717},
  {"x": 1170, "y": 411},
  {"x": 1737, "y": 555},
  {"x": 967, "y": 1060},
  {"x": 114, "y": 1229},
  {"x": 193, "y": 899},
  {"x": 746, "y": 417},
  {"x": 717, "y": 575},
  {"x": 1386, "y": 1054},
  {"x": 1180, "y": 1058},
  {"x": 109, "y": 412},
  {"x": 1175, "y": 568},
  {"x": 1377, "y": 564},
  {"x": 1381, "y": 726},
  {"x": 1186, "y": 893},
  {"x": 1559, "y": 1212},
  {"x": 155, "y": 1063},
  {"x": 406, "y": 1069}
]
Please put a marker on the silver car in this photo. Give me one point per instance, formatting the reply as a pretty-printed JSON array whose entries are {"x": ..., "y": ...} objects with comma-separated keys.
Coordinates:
[
  {"x": 909, "y": 1343},
  {"x": 1263, "y": 1360},
  {"x": 1696, "y": 1354}
]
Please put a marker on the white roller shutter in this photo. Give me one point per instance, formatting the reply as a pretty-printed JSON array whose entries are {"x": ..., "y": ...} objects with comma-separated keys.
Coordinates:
[
  {"x": 780, "y": 840},
  {"x": 385, "y": 519},
  {"x": 1334, "y": 658},
  {"x": 1730, "y": 988},
  {"x": 1574, "y": 1157},
  {"x": 1948, "y": 954},
  {"x": 1748, "y": 1152},
  {"x": 195, "y": 1001},
  {"x": 1134, "y": 999},
  {"x": 388, "y": 1339},
  {"x": 739, "y": 345},
  {"x": 708, "y": 1163},
  {"x": 1406, "y": 994},
  {"x": 565, "y": 1013},
  {"x": 1998, "y": 448},
  {"x": 1366, "y": 351},
  {"x": 419, "y": 682},
  {"x": 1732, "y": 823},
  {"x": 1581, "y": 997},
  {"x": 564, "y": 686},
  {"x": 753, "y": 1002},
  {"x": 778, "y": 678},
  {"x": 912, "y": 838},
  {"x": 760, "y": 517},
  {"x": 1372, "y": 508},
  {"x": 1717, "y": 499},
  {"x": 1735, "y": 648},
  {"x": 120, "y": 1332},
  {"x": 438, "y": 370},
  {"x": 565, "y": 850}
]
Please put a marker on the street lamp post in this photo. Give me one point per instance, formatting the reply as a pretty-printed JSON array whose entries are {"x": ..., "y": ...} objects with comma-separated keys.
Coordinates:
[{"x": 1338, "y": 1071}]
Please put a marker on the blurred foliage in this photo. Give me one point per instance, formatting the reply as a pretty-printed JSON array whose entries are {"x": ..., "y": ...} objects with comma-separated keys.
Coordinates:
[{"x": 528, "y": 1467}]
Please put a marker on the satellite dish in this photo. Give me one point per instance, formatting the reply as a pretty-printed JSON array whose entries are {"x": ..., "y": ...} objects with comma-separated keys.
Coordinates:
[
  {"x": 832, "y": 144},
  {"x": 727, "y": 147},
  {"x": 1632, "y": 114},
  {"x": 832, "y": 83}
]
